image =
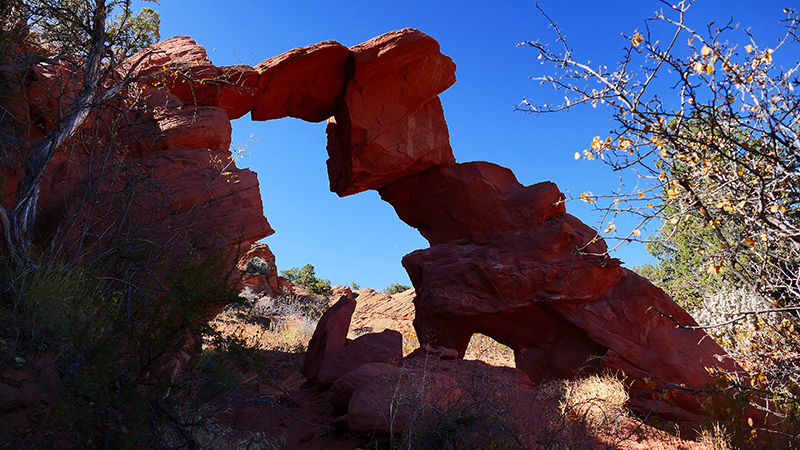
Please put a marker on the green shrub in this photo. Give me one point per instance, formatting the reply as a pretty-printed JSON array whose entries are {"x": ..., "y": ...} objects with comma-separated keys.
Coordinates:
[
  {"x": 396, "y": 288},
  {"x": 306, "y": 278},
  {"x": 134, "y": 373}
]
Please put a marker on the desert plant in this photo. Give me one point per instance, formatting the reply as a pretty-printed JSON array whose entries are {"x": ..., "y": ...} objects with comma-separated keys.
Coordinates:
[
  {"x": 260, "y": 266},
  {"x": 306, "y": 278},
  {"x": 99, "y": 34},
  {"x": 396, "y": 288},
  {"x": 131, "y": 358},
  {"x": 715, "y": 164},
  {"x": 715, "y": 437},
  {"x": 582, "y": 413}
]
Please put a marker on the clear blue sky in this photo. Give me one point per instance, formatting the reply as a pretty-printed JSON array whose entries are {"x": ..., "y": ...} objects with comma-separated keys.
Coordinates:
[{"x": 359, "y": 238}]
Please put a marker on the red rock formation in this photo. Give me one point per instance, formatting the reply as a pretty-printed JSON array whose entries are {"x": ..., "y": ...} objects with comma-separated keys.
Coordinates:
[
  {"x": 384, "y": 347},
  {"x": 391, "y": 123},
  {"x": 262, "y": 283},
  {"x": 156, "y": 164},
  {"x": 330, "y": 336},
  {"x": 182, "y": 67},
  {"x": 508, "y": 262},
  {"x": 435, "y": 202},
  {"x": 505, "y": 259},
  {"x": 306, "y": 83}
]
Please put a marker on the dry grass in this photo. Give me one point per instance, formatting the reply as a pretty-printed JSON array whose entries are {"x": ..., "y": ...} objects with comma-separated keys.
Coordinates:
[
  {"x": 580, "y": 414},
  {"x": 598, "y": 401},
  {"x": 287, "y": 334},
  {"x": 716, "y": 438}
]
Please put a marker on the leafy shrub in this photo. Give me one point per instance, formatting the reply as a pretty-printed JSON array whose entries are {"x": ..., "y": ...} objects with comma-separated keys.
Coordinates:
[
  {"x": 306, "y": 278},
  {"x": 396, "y": 288}
]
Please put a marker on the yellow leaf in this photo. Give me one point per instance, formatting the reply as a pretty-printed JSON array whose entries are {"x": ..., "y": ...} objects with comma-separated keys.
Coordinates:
[
  {"x": 748, "y": 48},
  {"x": 705, "y": 51},
  {"x": 577, "y": 155},
  {"x": 637, "y": 233},
  {"x": 773, "y": 208},
  {"x": 637, "y": 39},
  {"x": 698, "y": 67},
  {"x": 749, "y": 241},
  {"x": 750, "y": 421},
  {"x": 764, "y": 237},
  {"x": 710, "y": 68}
]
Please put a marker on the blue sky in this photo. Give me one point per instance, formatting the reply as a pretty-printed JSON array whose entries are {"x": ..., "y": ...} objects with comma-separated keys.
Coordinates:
[{"x": 359, "y": 238}]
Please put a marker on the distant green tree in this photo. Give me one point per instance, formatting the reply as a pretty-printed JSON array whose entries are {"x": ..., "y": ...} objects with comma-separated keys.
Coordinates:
[
  {"x": 306, "y": 278},
  {"x": 396, "y": 288}
]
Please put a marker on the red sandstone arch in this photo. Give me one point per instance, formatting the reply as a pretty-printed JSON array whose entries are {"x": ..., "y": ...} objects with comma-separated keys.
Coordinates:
[{"x": 505, "y": 260}]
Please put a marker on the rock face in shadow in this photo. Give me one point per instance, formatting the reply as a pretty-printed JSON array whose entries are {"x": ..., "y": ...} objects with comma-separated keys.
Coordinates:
[{"x": 150, "y": 173}]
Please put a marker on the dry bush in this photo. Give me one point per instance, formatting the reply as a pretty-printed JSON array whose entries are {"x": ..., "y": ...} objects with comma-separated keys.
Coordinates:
[
  {"x": 283, "y": 324},
  {"x": 767, "y": 345},
  {"x": 599, "y": 400},
  {"x": 575, "y": 413}
]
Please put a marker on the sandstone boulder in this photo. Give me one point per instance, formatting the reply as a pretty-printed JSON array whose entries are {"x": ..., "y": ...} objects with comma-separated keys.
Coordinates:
[
  {"x": 384, "y": 347},
  {"x": 384, "y": 405},
  {"x": 471, "y": 201},
  {"x": 182, "y": 66},
  {"x": 390, "y": 124},
  {"x": 306, "y": 83},
  {"x": 342, "y": 389},
  {"x": 25, "y": 397},
  {"x": 329, "y": 337},
  {"x": 376, "y": 312}
]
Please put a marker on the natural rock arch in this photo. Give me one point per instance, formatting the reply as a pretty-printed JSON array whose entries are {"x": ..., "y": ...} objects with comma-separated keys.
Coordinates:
[{"x": 505, "y": 260}]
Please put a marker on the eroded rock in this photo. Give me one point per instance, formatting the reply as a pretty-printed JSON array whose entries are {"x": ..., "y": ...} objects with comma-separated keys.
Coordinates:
[
  {"x": 329, "y": 337},
  {"x": 306, "y": 83},
  {"x": 391, "y": 123},
  {"x": 384, "y": 347}
]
